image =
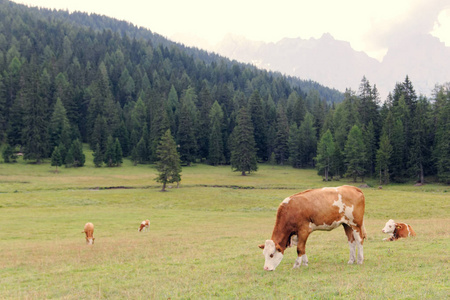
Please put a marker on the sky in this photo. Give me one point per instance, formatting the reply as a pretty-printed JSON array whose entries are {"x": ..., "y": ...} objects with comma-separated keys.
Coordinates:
[{"x": 368, "y": 25}]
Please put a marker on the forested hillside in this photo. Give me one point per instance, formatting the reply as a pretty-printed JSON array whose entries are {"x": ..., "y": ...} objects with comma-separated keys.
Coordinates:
[{"x": 66, "y": 78}]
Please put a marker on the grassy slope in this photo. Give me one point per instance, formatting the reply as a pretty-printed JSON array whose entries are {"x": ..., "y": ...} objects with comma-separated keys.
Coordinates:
[{"x": 203, "y": 237}]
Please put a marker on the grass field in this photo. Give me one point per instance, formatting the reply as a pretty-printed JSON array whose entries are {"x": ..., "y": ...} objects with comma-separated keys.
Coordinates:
[{"x": 203, "y": 237}]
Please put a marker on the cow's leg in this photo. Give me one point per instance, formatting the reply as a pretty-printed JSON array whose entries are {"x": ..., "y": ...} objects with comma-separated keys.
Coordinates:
[
  {"x": 301, "y": 258},
  {"x": 359, "y": 238},
  {"x": 351, "y": 243}
]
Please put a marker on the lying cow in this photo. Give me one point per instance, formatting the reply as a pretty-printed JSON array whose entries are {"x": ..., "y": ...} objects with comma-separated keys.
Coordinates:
[
  {"x": 144, "y": 225},
  {"x": 89, "y": 230},
  {"x": 318, "y": 209},
  {"x": 397, "y": 230}
]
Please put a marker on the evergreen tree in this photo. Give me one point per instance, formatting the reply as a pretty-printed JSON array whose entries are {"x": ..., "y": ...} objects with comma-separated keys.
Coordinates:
[
  {"x": 325, "y": 152},
  {"x": 398, "y": 164},
  {"x": 371, "y": 147},
  {"x": 98, "y": 156},
  {"x": 159, "y": 125},
  {"x": 113, "y": 154},
  {"x": 216, "y": 156},
  {"x": 59, "y": 127},
  {"x": 141, "y": 151},
  {"x": 8, "y": 154},
  {"x": 441, "y": 151},
  {"x": 259, "y": 125},
  {"x": 294, "y": 143},
  {"x": 243, "y": 146},
  {"x": 168, "y": 163},
  {"x": 383, "y": 158},
  {"x": 118, "y": 154},
  {"x": 308, "y": 139},
  {"x": 16, "y": 123},
  {"x": 56, "y": 158},
  {"x": 282, "y": 136},
  {"x": 355, "y": 154},
  {"x": 34, "y": 134},
  {"x": 75, "y": 155},
  {"x": 124, "y": 139},
  {"x": 368, "y": 103},
  {"x": 204, "y": 121},
  {"x": 420, "y": 150},
  {"x": 186, "y": 132},
  {"x": 99, "y": 134}
]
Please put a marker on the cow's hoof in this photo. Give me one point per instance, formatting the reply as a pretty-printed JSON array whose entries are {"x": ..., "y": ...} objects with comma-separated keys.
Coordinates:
[{"x": 350, "y": 262}]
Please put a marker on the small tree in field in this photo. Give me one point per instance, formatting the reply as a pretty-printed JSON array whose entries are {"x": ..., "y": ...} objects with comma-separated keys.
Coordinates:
[
  {"x": 169, "y": 163},
  {"x": 56, "y": 158}
]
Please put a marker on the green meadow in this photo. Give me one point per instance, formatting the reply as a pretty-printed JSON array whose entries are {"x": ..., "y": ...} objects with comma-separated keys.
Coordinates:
[{"x": 204, "y": 236}]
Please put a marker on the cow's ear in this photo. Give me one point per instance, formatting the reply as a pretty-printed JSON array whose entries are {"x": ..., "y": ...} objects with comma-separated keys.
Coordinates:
[
  {"x": 399, "y": 226},
  {"x": 261, "y": 246},
  {"x": 278, "y": 248}
]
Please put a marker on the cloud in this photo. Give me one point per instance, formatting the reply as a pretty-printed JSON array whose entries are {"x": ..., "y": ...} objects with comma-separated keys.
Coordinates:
[{"x": 414, "y": 18}]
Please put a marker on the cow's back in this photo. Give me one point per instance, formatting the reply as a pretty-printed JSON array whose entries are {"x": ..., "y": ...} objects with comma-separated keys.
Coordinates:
[{"x": 328, "y": 205}]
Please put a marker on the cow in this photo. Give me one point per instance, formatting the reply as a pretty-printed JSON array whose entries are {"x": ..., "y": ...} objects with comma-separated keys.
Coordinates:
[
  {"x": 89, "y": 230},
  {"x": 317, "y": 209},
  {"x": 144, "y": 225},
  {"x": 397, "y": 230}
]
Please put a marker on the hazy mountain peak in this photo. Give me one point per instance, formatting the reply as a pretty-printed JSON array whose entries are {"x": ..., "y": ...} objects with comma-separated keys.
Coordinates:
[{"x": 336, "y": 64}]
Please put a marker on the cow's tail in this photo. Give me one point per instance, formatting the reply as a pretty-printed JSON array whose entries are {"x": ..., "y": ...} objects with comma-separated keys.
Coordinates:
[{"x": 364, "y": 232}]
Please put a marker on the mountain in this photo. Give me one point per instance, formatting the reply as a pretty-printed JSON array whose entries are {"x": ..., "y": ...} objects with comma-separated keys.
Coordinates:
[{"x": 336, "y": 64}]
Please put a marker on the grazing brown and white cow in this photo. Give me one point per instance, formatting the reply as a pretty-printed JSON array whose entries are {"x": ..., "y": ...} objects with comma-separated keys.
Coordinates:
[
  {"x": 397, "y": 230},
  {"x": 144, "y": 225},
  {"x": 89, "y": 230},
  {"x": 318, "y": 209}
]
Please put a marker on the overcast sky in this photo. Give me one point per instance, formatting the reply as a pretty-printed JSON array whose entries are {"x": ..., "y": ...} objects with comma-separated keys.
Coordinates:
[{"x": 369, "y": 25}]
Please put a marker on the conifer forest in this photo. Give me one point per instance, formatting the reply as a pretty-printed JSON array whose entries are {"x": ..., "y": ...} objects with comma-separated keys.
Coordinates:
[{"x": 68, "y": 79}]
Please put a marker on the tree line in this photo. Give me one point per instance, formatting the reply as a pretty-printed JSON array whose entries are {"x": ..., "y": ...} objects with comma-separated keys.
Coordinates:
[{"x": 62, "y": 85}]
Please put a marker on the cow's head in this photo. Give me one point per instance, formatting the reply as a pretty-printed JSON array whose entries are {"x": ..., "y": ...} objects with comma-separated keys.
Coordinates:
[
  {"x": 90, "y": 240},
  {"x": 273, "y": 254},
  {"x": 389, "y": 227}
]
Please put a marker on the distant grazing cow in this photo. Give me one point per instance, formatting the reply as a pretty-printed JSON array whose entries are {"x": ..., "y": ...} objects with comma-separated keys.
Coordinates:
[
  {"x": 318, "y": 209},
  {"x": 144, "y": 225},
  {"x": 89, "y": 230},
  {"x": 397, "y": 230}
]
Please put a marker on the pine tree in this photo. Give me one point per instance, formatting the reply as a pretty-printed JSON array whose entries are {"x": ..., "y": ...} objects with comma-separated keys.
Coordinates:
[
  {"x": 282, "y": 136},
  {"x": 355, "y": 154},
  {"x": 59, "y": 127},
  {"x": 186, "y": 132},
  {"x": 75, "y": 155},
  {"x": 98, "y": 156},
  {"x": 34, "y": 134},
  {"x": 168, "y": 163},
  {"x": 56, "y": 158},
  {"x": 113, "y": 154},
  {"x": 441, "y": 151},
  {"x": 99, "y": 134},
  {"x": 370, "y": 142},
  {"x": 420, "y": 150},
  {"x": 243, "y": 146},
  {"x": 8, "y": 154},
  {"x": 398, "y": 164},
  {"x": 216, "y": 156},
  {"x": 259, "y": 125},
  {"x": 308, "y": 139},
  {"x": 118, "y": 154},
  {"x": 294, "y": 143},
  {"x": 204, "y": 121},
  {"x": 383, "y": 158},
  {"x": 325, "y": 152}
]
